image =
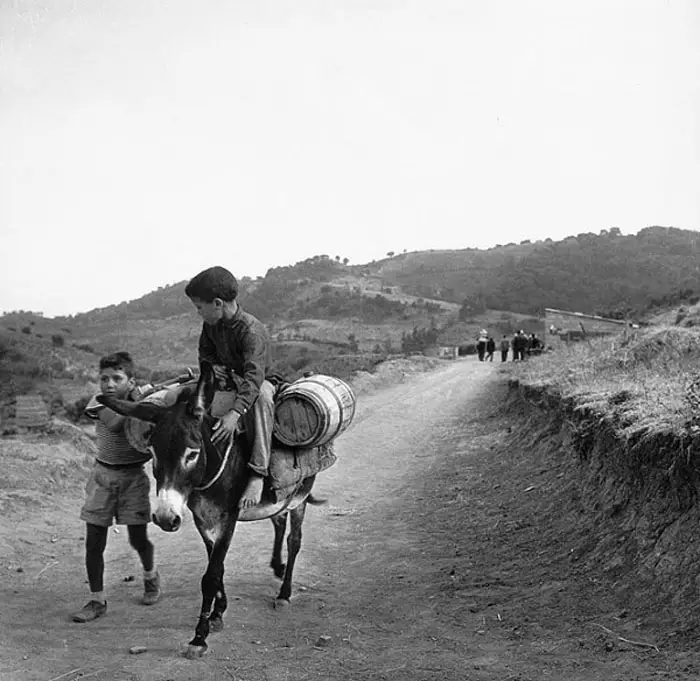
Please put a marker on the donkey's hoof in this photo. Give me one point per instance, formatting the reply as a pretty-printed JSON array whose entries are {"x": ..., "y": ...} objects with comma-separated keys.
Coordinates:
[
  {"x": 281, "y": 603},
  {"x": 192, "y": 652},
  {"x": 278, "y": 569},
  {"x": 215, "y": 624}
]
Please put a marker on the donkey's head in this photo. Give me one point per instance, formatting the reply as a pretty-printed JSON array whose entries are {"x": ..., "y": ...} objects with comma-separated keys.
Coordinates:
[{"x": 178, "y": 442}]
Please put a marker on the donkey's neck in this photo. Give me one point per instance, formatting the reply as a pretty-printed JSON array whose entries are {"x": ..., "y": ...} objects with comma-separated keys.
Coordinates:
[{"x": 222, "y": 464}]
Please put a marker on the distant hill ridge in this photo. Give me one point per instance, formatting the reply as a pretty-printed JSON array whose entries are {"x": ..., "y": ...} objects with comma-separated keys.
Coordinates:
[{"x": 605, "y": 273}]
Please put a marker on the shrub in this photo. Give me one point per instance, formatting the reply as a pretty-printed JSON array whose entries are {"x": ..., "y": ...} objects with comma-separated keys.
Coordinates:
[
  {"x": 53, "y": 398},
  {"x": 84, "y": 346},
  {"x": 58, "y": 340},
  {"x": 27, "y": 329},
  {"x": 18, "y": 373},
  {"x": 57, "y": 365},
  {"x": 299, "y": 363}
]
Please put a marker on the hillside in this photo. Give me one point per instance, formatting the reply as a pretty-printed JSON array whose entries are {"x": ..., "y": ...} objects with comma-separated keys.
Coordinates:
[
  {"x": 589, "y": 273},
  {"x": 322, "y": 310},
  {"x": 605, "y": 274}
]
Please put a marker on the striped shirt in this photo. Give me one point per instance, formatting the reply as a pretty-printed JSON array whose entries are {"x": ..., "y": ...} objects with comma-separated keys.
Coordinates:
[{"x": 113, "y": 448}]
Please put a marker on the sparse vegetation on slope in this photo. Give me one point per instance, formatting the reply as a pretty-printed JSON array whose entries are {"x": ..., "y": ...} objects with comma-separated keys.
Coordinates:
[
  {"x": 607, "y": 273},
  {"x": 643, "y": 385}
]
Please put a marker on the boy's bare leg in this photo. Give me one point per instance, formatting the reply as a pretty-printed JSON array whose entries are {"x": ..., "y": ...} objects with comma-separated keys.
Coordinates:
[
  {"x": 253, "y": 491},
  {"x": 259, "y": 422}
]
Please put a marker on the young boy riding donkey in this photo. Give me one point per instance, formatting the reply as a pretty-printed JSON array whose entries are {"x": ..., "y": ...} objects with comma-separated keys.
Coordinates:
[
  {"x": 237, "y": 345},
  {"x": 223, "y": 476}
]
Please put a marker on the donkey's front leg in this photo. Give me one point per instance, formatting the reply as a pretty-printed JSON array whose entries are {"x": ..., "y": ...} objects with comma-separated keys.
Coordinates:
[{"x": 212, "y": 588}]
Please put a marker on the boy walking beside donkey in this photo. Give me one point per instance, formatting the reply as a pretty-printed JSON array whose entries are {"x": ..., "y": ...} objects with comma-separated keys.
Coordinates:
[
  {"x": 118, "y": 487},
  {"x": 237, "y": 344}
]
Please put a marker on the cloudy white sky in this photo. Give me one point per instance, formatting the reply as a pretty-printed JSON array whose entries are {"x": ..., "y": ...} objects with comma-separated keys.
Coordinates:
[{"x": 143, "y": 140}]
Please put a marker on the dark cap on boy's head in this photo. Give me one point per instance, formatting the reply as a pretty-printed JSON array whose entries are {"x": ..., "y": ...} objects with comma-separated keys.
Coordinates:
[{"x": 214, "y": 282}]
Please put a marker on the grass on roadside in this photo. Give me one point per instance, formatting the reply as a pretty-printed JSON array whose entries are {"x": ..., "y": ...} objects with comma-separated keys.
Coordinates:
[{"x": 644, "y": 385}]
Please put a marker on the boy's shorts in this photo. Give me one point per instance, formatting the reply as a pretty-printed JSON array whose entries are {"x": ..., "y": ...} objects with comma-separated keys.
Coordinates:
[{"x": 116, "y": 494}]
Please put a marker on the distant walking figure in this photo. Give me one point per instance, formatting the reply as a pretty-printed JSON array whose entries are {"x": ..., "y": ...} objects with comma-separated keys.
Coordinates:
[
  {"x": 519, "y": 344},
  {"x": 505, "y": 346},
  {"x": 490, "y": 349},
  {"x": 524, "y": 344},
  {"x": 481, "y": 345}
]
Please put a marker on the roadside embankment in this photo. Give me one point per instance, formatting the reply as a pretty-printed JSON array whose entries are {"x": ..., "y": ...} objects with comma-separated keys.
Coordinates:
[{"x": 624, "y": 416}]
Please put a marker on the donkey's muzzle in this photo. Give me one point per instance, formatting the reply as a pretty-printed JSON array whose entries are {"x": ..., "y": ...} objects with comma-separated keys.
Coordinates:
[{"x": 168, "y": 524}]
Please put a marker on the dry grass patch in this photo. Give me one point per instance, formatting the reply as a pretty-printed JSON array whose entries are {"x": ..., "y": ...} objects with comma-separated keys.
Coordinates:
[{"x": 648, "y": 383}]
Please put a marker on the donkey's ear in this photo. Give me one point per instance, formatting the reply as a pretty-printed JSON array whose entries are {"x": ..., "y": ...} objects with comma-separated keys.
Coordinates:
[
  {"x": 146, "y": 411},
  {"x": 204, "y": 393}
]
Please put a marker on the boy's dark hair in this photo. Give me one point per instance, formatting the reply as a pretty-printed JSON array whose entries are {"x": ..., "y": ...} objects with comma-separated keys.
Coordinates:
[
  {"x": 118, "y": 360},
  {"x": 214, "y": 282}
]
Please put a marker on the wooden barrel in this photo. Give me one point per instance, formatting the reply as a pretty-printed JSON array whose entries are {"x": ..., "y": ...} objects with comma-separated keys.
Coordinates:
[{"x": 313, "y": 410}]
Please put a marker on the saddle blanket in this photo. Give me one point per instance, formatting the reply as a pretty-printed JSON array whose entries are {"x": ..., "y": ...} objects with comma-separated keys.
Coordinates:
[{"x": 289, "y": 466}]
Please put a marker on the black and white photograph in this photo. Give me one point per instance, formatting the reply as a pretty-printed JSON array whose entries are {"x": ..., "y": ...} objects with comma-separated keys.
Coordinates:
[{"x": 350, "y": 340}]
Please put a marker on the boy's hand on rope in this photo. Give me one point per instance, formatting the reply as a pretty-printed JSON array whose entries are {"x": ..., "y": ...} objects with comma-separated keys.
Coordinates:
[{"x": 225, "y": 427}]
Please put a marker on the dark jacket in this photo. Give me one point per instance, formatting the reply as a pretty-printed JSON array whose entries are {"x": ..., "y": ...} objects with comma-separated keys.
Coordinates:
[{"x": 242, "y": 345}]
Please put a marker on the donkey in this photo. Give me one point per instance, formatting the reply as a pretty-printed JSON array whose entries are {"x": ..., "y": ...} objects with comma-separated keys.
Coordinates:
[{"x": 190, "y": 470}]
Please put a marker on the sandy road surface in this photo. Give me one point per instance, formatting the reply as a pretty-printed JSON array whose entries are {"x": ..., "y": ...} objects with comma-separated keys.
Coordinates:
[{"x": 397, "y": 577}]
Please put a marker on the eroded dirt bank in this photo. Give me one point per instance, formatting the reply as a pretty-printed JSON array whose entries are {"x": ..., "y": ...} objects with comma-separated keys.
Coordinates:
[
  {"x": 632, "y": 511},
  {"x": 459, "y": 543}
]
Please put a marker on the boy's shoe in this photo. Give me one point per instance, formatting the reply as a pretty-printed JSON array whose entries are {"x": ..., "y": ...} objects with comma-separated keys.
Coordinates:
[
  {"x": 151, "y": 590},
  {"x": 90, "y": 611}
]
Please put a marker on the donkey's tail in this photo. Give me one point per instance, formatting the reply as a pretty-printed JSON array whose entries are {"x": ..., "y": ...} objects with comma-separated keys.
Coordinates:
[{"x": 314, "y": 501}]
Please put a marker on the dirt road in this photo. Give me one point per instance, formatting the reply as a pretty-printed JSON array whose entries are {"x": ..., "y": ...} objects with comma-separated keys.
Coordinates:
[{"x": 423, "y": 566}]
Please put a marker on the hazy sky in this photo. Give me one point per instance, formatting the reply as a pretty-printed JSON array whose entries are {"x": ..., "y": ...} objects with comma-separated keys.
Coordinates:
[{"x": 143, "y": 140}]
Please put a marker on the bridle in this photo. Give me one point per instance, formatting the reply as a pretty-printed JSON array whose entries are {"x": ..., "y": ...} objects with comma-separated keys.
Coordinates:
[{"x": 224, "y": 461}]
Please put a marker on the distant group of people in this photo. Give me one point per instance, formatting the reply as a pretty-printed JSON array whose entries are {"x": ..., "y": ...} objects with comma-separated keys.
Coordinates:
[
  {"x": 522, "y": 345},
  {"x": 485, "y": 346}
]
